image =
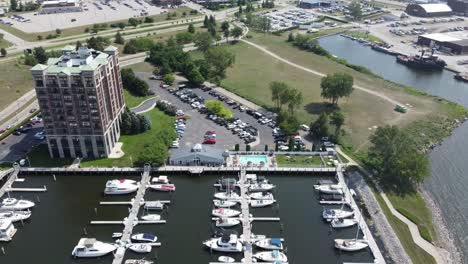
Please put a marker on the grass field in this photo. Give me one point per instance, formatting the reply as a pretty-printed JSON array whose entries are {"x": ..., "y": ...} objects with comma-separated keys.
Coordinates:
[
  {"x": 132, "y": 101},
  {"x": 4, "y": 43},
  {"x": 363, "y": 35},
  {"x": 15, "y": 80},
  {"x": 300, "y": 161}
]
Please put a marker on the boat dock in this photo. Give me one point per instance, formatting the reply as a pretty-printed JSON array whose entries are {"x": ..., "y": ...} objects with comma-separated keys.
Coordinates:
[
  {"x": 43, "y": 189},
  {"x": 378, "y": 257},
  {"x": 131, "y": 202},
  {"x": 136, "y": 222},
  {"x": 246, "y": 224},
  {"x": 250, "y": 219},
  {"x": 13, "y": 175},
  {"x": 132, "y": 218}
]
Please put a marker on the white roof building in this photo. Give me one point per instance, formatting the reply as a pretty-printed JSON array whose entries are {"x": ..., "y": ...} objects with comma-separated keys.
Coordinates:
[{"x": 436, "y": 8}]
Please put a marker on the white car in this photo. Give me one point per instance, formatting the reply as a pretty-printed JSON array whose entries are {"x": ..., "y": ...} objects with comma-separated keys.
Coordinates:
[
  {"x": 175, "y": 145},
  {"x": 283, "y": 148},
  {"x": 305, "y": 127}
]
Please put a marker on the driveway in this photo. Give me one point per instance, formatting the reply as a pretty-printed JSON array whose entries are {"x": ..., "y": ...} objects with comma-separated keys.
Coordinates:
[{"x": 14, "y": 147}]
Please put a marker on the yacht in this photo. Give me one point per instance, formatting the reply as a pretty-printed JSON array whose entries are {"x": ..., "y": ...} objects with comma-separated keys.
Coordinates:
[
  {"x": 227, "y": 196},
  {"x": 138, "y": 261},
  {"x": 166, "y": 187},
  {"x": 7, "y": 230},
  {"x": 151, "y": 217},
  {"x": 329, "y": 189},
  {"x": 224, "y": 203},
  {"x": 223, "y": 212},
  {"x": 12, "y": 204},
  {"x": 91, "y": 248},
  {"x": 261, "y": 203},
  {"x": 330, "y": 214},
  {"x": 254, "y": 238},
  {"x": 15, "y": 216},
  {"x": 117, "y": 235},
  {"x": 270, "y": 244},
  {"x": 144, "y": 238},
  {"x": 140, "y": 248},
  {"x": 226, "y": 259},
  {"x": 271, "y": 256},
  {"x": 154, "y": 205},
  {"x": 261, "y": 187},
  {"x": 227, "y": 222},
  {"x": 162, "y": 179},
  {"x": 121, "y": 186},
  {"x": 351, "y": 244},
  {"x": 226, "y": 243},
  {"x": 261, "y": 196},
  {"x": 342, "y": 223}
]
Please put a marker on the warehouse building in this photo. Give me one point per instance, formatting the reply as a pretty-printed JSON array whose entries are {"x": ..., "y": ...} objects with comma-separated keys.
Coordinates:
[
  {"x": 199, "y": 155},
  {"x": 428, "y": 10},
  {"x": 458, "y": 6},
  {"x": 454, "y": 43},
  {"x": 61, "y": 6},
  {"x": 307, "y": 4}
]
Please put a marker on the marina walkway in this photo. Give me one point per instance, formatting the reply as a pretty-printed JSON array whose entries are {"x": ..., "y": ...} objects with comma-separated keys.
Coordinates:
[
  {"x": 12, "y": 177},
  {"x": 246, "y": 224},
  {"x": 129, "y": 224}
]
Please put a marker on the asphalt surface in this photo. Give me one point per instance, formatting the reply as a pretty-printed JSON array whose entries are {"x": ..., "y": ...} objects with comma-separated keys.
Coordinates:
[
  {"x": 15, "y": 147},
  {"x": 198, "y": 124}
]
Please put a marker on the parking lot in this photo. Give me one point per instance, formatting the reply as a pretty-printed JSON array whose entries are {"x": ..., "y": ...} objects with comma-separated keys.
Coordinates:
[
  {"x": 287, "y": 18},
  {"x": 15, "y": 147},
  {"x": 198, "y": 123}
]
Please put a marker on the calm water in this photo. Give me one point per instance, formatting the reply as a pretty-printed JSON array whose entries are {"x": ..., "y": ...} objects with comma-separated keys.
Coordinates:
[
  {"x": 449, "y": 182},
  {"x": 64, "y": 212}
]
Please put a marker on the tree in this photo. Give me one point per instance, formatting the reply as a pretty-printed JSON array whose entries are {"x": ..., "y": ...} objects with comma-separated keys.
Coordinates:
[
  {"x": 149, "y": 20},
  {"x": 355, "y": 9},
  {"x": 220, "y": 59},
  {"x": 78, "y": 45},
  {"x": 288, "y": 124},
  {"x": 337, "y": 119},
  {"x": 154, "y": 153},
  {"x": 121, "y": 25},
  {"x": 119, "y": 39},
  {"x": 240, "y": 9},
  {"x": 191, "y": 28},
  {"x": 395, "y": 158},
  {"x": 130, "y": 48},
  {"x": 319, "y": 128},
  {"x": 195, "y": 77},
  {"x": 236, "y": 32},
  {"x": 291, "y": 37},
  {"x": 278, "y": 90},
  {"x": 212, "y": 20},
  {"x": 40, "y": 55},
  {"x": 206, "y": 22},
  {"x": 226, "y": 34},
  {"x": 336, "y": 86},
  {"x": 30, "y": 60},
  {"x": 184, "y": 38},
  {"x": 247, "y": 147},
  {"x": 97, "y": 43},
  {"x": 203, "y": 41},
  {"x": 3, "y": 52},
  {"x": 133, "y": 22},
  {"x": 212, "y": 30},
  {"x": 224, "y": 26},
  {"x": 13, "y": 5},
  {"x": 295, "y": 99},
  {"x": 169, "y": 79},
  {"x": 58, "y": 31},
  {"x": 133, "y": 84},
  {"x": 219, "y": 109}
]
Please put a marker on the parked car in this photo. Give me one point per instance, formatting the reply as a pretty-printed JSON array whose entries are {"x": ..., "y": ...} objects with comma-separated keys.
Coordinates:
[
  {"x": 209, "y": 141},
  {"x": 283, "y": 148}
]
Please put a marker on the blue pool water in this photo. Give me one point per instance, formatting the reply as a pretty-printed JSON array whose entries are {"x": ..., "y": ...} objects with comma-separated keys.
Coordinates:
[{"x": 255, "y": 159}]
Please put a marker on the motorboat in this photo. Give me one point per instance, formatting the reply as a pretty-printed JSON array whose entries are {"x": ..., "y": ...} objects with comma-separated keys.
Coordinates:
[
  {"x": 330, "y": 214},
  {"x": 91, "y": 248},
  {"x": 121, "y": 186},
  {"x": 13, "y": 204},
  {"x": 140, "y": 248},
  {"x": 271, "y": 256},
  {"x": 329, "y": 188},
  {"x": 270, "y": 244},
  {"x": 226, "y": 259},
  {"x": 7, "y": 230},
  {"x": 151, "y": 217},
  {"x": 227, "y": 196},
  {"x": 261, "y": 203},
  {"x": 223, "y": 212},
  {"x": 144, "y": 238},
  {"x": 226, "y": 243},
  {"x": 227, "y": 222},
  {"x": 261, "y": 187},
  {"x": 224, "y": 203},
  {"x": 343, "y": 223},
  {"x": 117, "y": 235},
  {"x": 261, "y": 196},
  {"x": 15, "y": 216},
  {"x": 253, "y": 237},
  {"x": 166, "y": 187},
  {"x": 154, "y": 205},
  {"x": 351, "y": 244},
  {"x": 162, "y": 179},
  {"x": 138, "y": 261}
]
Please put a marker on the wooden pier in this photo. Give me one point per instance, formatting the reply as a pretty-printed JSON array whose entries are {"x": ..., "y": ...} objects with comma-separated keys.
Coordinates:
[
  {"x": 43, "y": 189},
  {"x": 132, "y": 218},
  {"x": 131, "y": 202},
  {"x": 246, "y": 224},
  {"x": 13, "y": 175},
  {"x": 136, "y": 222}
]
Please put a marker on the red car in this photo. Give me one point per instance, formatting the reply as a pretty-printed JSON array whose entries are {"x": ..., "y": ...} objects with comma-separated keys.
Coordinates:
[{"x": 209, "y": 141}]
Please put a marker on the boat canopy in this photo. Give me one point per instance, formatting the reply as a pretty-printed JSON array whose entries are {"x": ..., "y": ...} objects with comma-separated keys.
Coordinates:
[
  {"x": 149, "y": 236},
  {"x": 275, "y": 241}
]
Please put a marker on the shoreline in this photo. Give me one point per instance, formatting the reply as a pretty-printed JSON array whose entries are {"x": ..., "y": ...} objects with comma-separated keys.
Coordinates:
[{"x": 449, "y": 248}]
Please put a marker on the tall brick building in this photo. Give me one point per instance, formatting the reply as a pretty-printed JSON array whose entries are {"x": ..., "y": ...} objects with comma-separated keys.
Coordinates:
[{"x": 81, "y": 98}]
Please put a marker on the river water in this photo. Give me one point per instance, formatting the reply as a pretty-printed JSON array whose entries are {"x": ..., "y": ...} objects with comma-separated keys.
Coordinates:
[
  {"x": 65, "y": 210},
  {"x": 448, "y": 183}
]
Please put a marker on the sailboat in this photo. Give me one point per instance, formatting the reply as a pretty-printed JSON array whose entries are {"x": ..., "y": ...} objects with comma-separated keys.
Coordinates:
[{"x": 351, "y": 244}]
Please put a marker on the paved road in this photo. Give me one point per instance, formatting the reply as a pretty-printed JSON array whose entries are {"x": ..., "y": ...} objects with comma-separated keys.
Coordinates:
[
  {"x": 14, "y": 147},
  {"x": 145, "y": 106}
]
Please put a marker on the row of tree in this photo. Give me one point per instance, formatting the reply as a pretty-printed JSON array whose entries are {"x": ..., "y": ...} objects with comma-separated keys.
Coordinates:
[
  {"x": 40, "y": 55},
  {"x": 134, "y": 124},
  {"x": 282, "y": 94},
  {"x": 133, "y": 84},
  {"x": 218, "y": 108}
]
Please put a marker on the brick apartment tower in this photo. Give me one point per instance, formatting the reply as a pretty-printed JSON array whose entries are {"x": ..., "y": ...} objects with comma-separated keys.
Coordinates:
[{"x": 81, "y": 98}]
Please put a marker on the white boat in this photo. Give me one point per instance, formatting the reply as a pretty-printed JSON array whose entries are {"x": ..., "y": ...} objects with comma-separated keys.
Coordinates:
[
  {"x": 7, "y": 230},
  {"x": 91, "y": 248},
  {"x": 154, "y": 205},
  {"x": 226, "y": 243},
  {"x": 261, "y": 203},
  {"x": 224, "y": 203},
  {"x": 351, "y": 244},
  {"x": 227, "y": 222},
  {"x": 227, "y": 196},
  {"x": 226, "y": 259},
  {"x": 138, "y": 261},
  {"x": 330, "y": 214},
  {"x": 121, "y": 186},
  {"x": 12, "y": 204},
  {"x": 223, "y": 212},
  {"x": 271, "y": 256},
  {"x": 261, "y": 196},
  {"x": 270, "y": 244},
  {"x": 117, "y": 235},
  {"x": 144, "y": 237},
  {"x": 329, "y": 188},
  {"x": 343, "y": 223},
  {"x": 253, "y": 238},
  {"x": 151, "y": 217},
  {"x": 140, "y": 248},
  {"x": 161, "y": 179},
  {"x": 166, "y": 187},
  {"x": 261, "y": 187},
  {"x": 15, "y": 216}
]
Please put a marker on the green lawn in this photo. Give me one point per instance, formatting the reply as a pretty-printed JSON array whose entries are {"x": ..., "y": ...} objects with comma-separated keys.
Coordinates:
[
  {"x": 15, "y": 80},
  {"x": 4, "y": 43},
  {"x": 141, "y": 67},
  {"x": 132, "y": 101},
  {"x": 363, "y": 35},
  {"x": 299, "y": 161},
  {"x": 133, "y": 144},
  {"x": 39, "y": 157}
]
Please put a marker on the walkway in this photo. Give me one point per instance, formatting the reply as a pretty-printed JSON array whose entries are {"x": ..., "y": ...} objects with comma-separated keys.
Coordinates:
[
  {"x": 145, "y": 106},
  {"x": 418, "y": 240},
  {"x": 246, "y": 226},
  {"x": 13, "y": 176}
]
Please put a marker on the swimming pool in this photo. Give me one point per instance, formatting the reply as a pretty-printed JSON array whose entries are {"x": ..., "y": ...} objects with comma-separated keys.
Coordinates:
[{"x": 253, "y": 159}]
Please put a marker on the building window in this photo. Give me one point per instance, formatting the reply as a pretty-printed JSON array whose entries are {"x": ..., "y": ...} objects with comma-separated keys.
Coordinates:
[
  {"x": 85, "y": 124},
  {"x": 39, "y": 82},
  {"x": 89, "y": 82},
  {"x": 63, "y": 81}
]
